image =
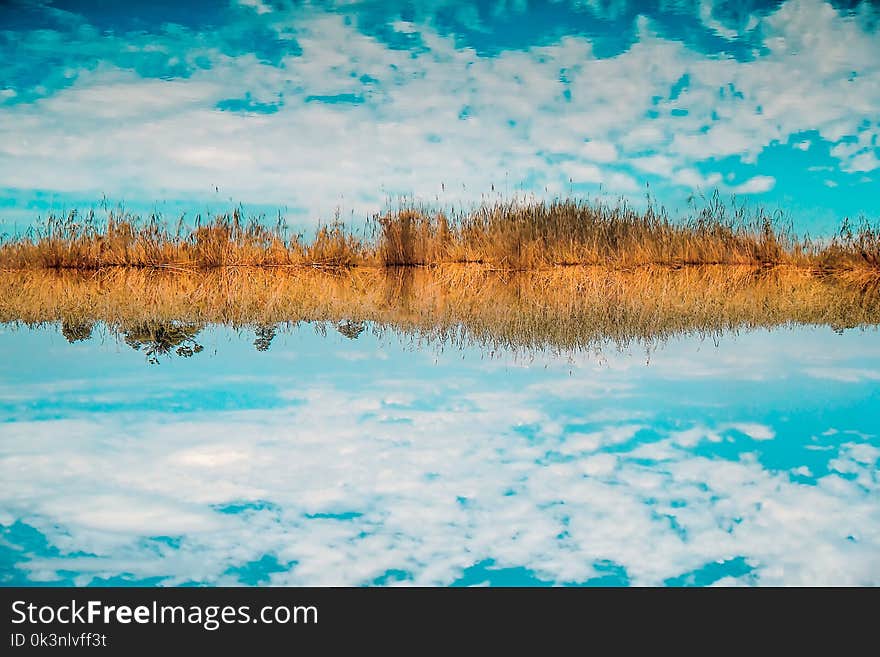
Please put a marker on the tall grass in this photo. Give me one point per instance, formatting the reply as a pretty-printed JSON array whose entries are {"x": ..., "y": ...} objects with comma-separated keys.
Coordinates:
[
  {"x": 512, "y": 235},
  {"x": 122, "y": 240},
  {"x": 534, "y": 235}
]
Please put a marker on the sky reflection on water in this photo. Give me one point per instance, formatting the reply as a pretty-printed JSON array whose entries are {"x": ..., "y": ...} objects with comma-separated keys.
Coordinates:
[{"x": 326, "y": 460}]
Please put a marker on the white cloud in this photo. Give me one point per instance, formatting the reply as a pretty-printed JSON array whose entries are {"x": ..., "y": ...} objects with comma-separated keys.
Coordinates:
[
  {"x": 210, "y": 157},
  {"x": 584, "y": 172},
  {"x": 754, "y": 430},
  {"x": 843, "y": 374},
  {"x": 705, "y": 13},
  {"x": 164, "y": 138},
  {"x": 755, "y": 185},
  {"x": 865, "y": 161},
  {"x": 257, "y": 5},
  {"x": 693, "y": 179},
  {"x": 621, "y": 182},
  {"x": 599, "y": 151},
  {"x": 659, "y": 165},
  {"x": 405, "y": 27}
]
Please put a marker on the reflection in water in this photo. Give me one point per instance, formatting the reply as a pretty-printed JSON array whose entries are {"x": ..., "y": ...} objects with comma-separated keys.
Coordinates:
[
  {"x": 754, "y": 462},
  {"x": 160, "y": 338},
  {"x": 566, "y": 309},
  {"x": 74, "y": 331},
  {"x": 350, "y": 329},
  {"x": 264, "y": 336}
]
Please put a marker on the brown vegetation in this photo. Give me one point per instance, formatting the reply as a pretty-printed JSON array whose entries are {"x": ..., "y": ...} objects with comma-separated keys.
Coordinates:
[
  {"x": 564, "y": 275},
  {"x": 511, "y": 236}
]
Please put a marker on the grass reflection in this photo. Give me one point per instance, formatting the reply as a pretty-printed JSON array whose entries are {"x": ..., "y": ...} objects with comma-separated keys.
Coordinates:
[{"x": 563, "y": 308}]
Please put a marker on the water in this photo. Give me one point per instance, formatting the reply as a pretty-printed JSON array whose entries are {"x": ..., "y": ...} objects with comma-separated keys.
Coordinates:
[
  {"x": 368, "y": 457},
  {"x": 376, "y": 460}
]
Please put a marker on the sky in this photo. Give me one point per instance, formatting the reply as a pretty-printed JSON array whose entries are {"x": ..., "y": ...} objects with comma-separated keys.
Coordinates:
[
  {"x": 331, "y": 461},
  {"x": 316, "y": 109}
]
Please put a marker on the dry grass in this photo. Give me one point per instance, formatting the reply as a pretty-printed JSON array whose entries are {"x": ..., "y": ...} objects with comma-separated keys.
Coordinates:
[
  {"x": 537, "y": 235},
  {"x": 512, "y": 236},
  {"x": 569, "y": 308},
  {"x": 528, "y": 236},
  {"x": 75, "y": 242}
]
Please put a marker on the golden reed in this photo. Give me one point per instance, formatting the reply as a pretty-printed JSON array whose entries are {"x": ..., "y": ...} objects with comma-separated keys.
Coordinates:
[{"x": 510, "y": 235}]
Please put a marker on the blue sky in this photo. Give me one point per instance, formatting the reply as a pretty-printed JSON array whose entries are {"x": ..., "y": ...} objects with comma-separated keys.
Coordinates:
[{"x": 317, "y": 106}]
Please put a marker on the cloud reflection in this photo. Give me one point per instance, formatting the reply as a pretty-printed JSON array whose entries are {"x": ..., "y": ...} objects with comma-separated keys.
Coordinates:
[{"x": 446, "y": 476}]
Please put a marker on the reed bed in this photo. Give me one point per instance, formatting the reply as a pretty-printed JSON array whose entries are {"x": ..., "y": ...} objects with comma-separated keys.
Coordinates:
[
  {"x": 124, "y": 240},
  {"x": 513, "y": 235},
  {"x": 563, "y": 309}
]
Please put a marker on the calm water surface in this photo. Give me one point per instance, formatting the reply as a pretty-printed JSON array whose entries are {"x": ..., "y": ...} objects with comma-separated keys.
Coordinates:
[
  {"x": 330, "y": 459},
  {"x": 352, "y": 458}
]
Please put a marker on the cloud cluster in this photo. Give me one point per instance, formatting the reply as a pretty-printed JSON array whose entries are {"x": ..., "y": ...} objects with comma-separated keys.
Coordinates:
[{"x": 346, "y": 120}]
